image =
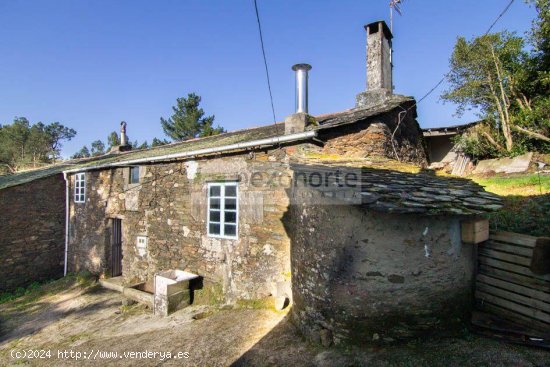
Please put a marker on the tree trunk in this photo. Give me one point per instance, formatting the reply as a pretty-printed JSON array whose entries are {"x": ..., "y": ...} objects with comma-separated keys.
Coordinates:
[
  {"x": 506, "y": 105},
  {"x": 493, "y": 141},
  {"x": 531, "y": 133}
]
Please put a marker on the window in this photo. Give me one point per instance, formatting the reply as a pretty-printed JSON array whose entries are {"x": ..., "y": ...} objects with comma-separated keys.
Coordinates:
[
  {"x": 141, "y": 245},
  {"x": 222, "y": 210},
  {"x": 80, "y": 187},
  {"x": 134, "y": 175}
]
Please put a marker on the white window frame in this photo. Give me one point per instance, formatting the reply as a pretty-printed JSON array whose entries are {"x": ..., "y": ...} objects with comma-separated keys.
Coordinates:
[
  {"x": 80, "y": 187},
  {"x": 222, "y": 210}
]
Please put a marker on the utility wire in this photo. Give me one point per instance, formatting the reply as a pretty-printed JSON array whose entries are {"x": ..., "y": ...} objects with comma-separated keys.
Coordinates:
[
  {"x": 265, "y": 61},
  {"x": 447, "y": 74}
]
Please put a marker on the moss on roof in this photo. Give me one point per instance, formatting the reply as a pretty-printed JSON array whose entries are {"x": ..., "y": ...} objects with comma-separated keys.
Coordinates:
[
  {"x": 234, "y": 137},
  {"x": 326, "y": 121}
]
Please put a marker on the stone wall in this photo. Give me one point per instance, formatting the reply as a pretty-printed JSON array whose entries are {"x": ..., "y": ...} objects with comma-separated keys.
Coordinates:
[
  {"x": 32, "y": 235},
  {"x": 360, "y": 276},
  {"x": 169, "y": 207},
  {"x": 373, "y": 137}
]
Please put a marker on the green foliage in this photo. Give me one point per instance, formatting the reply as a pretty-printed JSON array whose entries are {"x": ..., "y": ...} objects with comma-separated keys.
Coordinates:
[
  {"x": 20, "y": 292},
  {"x": 508, "y": 85},
  {"x": 112, "y": 140},
  {"x": 209, "y": 294},
  {"x": 143, "y": 145},
  {"x": 98, "y": 148},
  {"x": 526, "y": 200},
  {"x": 472, "y": 144},
  {"x": 158, "y": 142},
  {"x": 188, "y": 120},
  {"x": 24, "y": 145},
  {"x": 473, "y": 75},
  {"x": 526, "y": 215},
  {"x": 82, "y": 153},
  {"x": 85, "y": 278}
]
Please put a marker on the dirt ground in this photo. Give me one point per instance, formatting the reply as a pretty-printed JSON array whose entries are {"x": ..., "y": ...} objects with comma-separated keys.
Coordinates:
[{"x": 91, "y": 323}]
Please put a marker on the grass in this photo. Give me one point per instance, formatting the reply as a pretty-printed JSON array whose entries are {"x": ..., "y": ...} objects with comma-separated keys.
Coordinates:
[
  {"x": 210, "y": 294},
  {"x": 526, "y": 203},
  {"x": 24, "y": 296},
  {"x": 257, "y": 304},
  {"x": 19, "y": 292},
  {"x": 524, "y": 185}
]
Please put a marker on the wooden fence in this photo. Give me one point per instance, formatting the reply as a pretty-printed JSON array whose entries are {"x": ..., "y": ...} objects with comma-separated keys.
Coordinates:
[{"x": 509, "y": 296}]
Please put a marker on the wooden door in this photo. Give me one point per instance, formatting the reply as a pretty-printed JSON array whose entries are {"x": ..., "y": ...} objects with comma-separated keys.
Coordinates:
[{"x": 116, "y": 246}]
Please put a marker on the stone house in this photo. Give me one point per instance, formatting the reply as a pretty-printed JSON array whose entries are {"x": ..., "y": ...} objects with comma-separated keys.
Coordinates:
[{"x": 263, "y": 212}]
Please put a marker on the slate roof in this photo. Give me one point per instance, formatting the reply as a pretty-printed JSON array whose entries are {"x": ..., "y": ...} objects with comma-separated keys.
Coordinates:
[
  {"x": 394, "y": 191},
  {"x": 188, "y": 145},
  {"x": 448, "y": 130},
  {"x": 325, "y": 121}
]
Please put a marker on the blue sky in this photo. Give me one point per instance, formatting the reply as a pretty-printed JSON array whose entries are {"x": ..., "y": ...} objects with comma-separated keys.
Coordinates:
[{"x": 91, "y": 64}]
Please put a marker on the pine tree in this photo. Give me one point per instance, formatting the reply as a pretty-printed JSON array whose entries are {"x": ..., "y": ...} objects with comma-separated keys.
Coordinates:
[{"x": 188, "y": 120}]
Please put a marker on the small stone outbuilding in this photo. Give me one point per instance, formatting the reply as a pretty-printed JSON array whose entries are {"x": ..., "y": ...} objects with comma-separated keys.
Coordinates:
[{"x": 377, "y": 252}]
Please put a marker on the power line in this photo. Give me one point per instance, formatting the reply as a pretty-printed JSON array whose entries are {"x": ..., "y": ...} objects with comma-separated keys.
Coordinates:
[
  {"x": 265, "y": 61},
  {"x": 447, "y": 74}
]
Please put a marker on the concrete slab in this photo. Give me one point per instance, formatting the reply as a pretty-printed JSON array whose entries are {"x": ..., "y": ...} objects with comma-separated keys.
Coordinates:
[
  {"x": 115, "y": 284},
  {"x": 505, "y": 165}
]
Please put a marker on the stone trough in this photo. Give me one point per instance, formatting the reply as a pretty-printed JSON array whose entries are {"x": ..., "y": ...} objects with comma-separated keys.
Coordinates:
[
  {"x": 172, "y": 291},
  {"x": 169, "y": 292}
]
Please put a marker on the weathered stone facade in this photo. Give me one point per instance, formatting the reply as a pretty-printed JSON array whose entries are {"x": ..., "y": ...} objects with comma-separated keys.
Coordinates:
[
  {"x": 395, "y": 134},
  {"x": 361, "y": 276},
  {"x": 32, "y": 227},
  {"x": 169, "y": 207}
]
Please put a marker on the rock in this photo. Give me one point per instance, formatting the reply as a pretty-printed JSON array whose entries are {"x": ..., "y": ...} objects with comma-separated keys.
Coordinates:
[
  {"x": 443, "y": 198},
  {"x": 128, "y": 302},
  {"x": 464, "y": 193},
  {"x": 505, "y": 165},
  {"x": 326, "y": 338},
  {"x": 368, "y": 197},
  {"x": 394, "y": 278},
  {"x": 476, "y": 200}
]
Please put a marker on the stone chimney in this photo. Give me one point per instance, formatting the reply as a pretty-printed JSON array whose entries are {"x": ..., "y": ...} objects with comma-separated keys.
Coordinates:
[
  {"x": 124, "y": 145},
  {"x": 298, "y": 121},
  {"x": 379, "y": 66}
]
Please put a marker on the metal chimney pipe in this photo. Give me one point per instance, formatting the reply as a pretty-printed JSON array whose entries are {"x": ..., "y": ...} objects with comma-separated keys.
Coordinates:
[{"x": 301, "y": 87}]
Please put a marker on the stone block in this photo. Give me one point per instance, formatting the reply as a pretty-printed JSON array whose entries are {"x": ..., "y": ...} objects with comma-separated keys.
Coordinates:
[
  {"x": 505, "y": 165},
  {"x": 296, "y": 123}
]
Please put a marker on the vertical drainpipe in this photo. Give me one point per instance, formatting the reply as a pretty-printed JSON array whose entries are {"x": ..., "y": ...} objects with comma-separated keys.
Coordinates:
[{"x": 66, "y": 221}]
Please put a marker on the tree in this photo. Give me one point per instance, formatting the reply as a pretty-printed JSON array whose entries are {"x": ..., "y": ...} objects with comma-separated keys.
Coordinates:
[
  {"x": 23, "y": 144},
  {"x": 56, "y": 133},
  {"x": 98, "y": 148},
  {"x": 82, "y": 153},
  {"x": 188, "y": 120},
  {"x": 112, "y": 140},
  {"x": 158, "y": 142},
  {"x": 480, "y": 77},
  {"x": 144, "y": 145},
  {"x": 495, "y": 75}
]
